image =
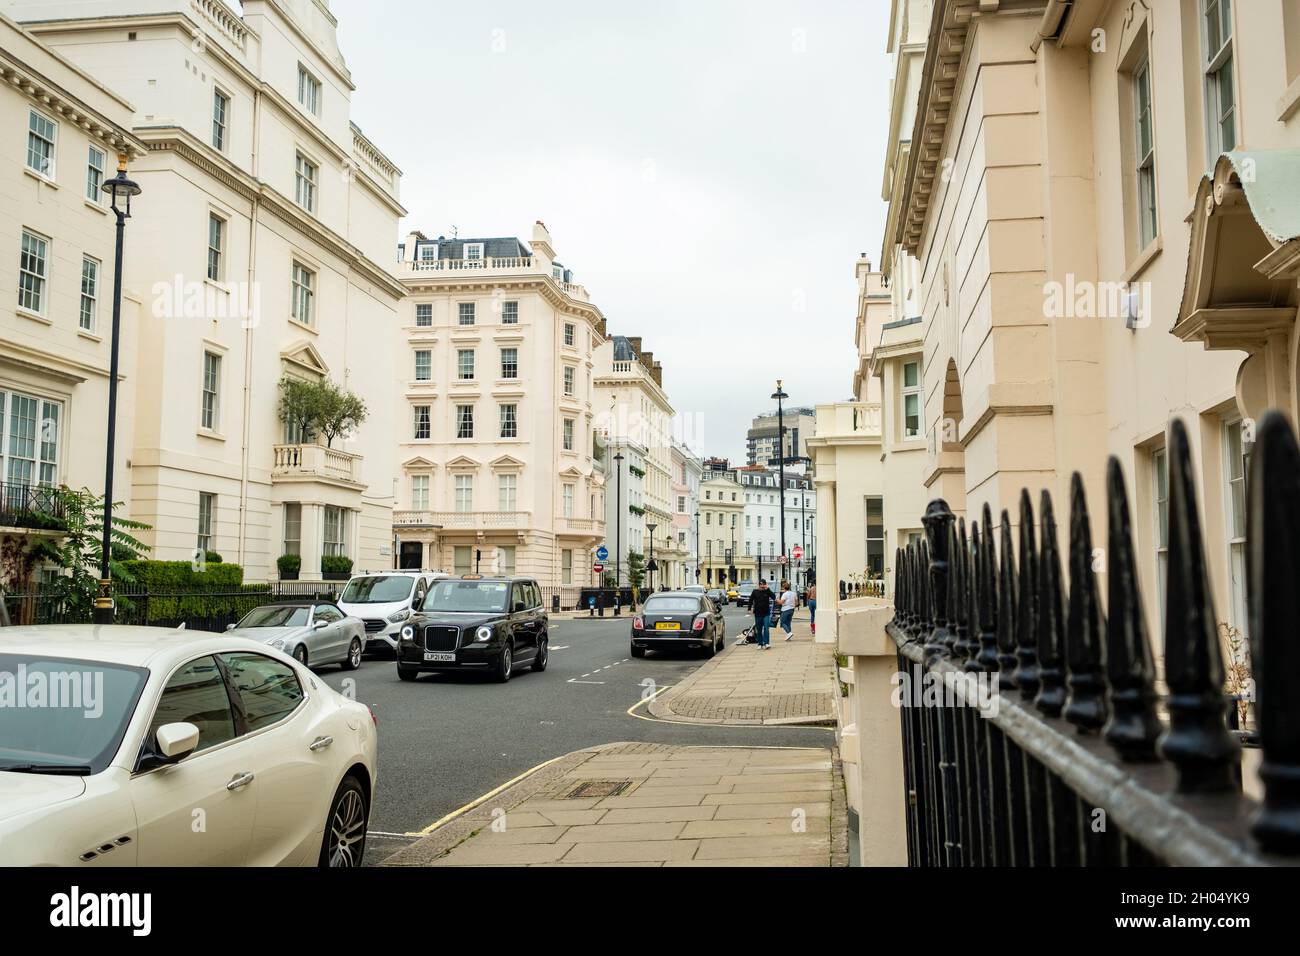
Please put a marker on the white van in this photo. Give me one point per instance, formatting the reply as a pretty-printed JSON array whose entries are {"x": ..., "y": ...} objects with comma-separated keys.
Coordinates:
[{"x": 384, "y": 600}]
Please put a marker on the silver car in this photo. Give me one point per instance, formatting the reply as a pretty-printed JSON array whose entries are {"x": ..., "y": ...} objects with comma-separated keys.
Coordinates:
[{"x": 312, "y": 632}]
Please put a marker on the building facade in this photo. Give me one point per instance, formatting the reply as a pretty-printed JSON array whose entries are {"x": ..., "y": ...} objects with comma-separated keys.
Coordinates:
[
  {"x": 66, "y": 132},
  {"x": 761, "y": 440},
  {"x": 260, "y": 249},
  {"x": 498, "y": 465},
  {"x": 722, "y": 532},
  {"x": 763, "y": 517},
  {"x": 687, "y": 472}
]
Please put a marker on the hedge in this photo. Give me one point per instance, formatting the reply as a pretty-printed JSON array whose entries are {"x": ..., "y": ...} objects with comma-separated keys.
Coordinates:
[
  {"x": 165, "y": 591},
  {"x": 181, "y": 575}
]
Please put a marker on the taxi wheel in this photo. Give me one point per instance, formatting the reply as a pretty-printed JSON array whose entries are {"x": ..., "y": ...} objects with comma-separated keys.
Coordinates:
[
  {"x": 543, "y": 652},
  {"x": 505, "y": 664},
  {"x": 407, "y": 673}
]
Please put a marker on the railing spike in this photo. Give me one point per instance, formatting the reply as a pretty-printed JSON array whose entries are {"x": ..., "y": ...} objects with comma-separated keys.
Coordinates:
[
  {"x": 1274, "y": 556},
  {"x": 954, "y": 589},
  {"x": 923, "y": 590},
  {"x": 1085, "y": 704},
  {"x": 1197, "y": 741},
  {"x": 1051, "y": 624},
  {"x": 986, "y": 568},
  {"x": 898, "y": 563},
  {"x": 973, "y": 584},
  {"x": 1027, "y": 611},
  {"x": 1006, "y": 610},
  {"x": 937, "y": 521},
  {"x": 1133, "y": 726},
  {"x": 962, "y": 651}
]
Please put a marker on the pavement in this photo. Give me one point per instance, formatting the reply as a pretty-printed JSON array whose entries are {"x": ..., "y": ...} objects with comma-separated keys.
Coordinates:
[
  {"x": 639, "y": 804},
  {"x": 793, "y": 683}
]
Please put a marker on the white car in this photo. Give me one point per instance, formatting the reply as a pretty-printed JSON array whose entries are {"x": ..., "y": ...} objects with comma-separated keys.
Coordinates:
[
  {"x": 143, "y": 746},
  {"x": 384, "y": 601}
]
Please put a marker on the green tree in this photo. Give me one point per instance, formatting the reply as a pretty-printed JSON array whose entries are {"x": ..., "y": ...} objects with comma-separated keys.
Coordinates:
[
  {"x": 319, "y": 408},
  {"x": 342, "y": 412},
  {"x": 635, "y": 573}
]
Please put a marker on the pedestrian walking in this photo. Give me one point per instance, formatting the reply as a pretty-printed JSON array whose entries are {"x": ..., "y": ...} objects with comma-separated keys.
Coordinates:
[
  {"x": 789, "y": 601},
  {"x": 760, "y": 602},
  {"x": 812, "y": 606}
]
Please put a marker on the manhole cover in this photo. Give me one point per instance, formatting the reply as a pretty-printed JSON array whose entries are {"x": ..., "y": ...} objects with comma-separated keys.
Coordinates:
[{"x": 598, "y": 788}]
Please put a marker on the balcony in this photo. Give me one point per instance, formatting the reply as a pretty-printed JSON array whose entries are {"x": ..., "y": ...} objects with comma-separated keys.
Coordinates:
[
  {"x": 581, "y": 526},
  {"x": 31, "y": 507},
  {"x": 461, "y": 520},
  {"x": 315, "y": 463},
  {"x": 848, "y": 419},
  {"x": 494, "y": 266}
]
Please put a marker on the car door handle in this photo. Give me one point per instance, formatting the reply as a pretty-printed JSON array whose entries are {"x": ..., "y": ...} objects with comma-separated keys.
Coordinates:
[
  {"x": 320, "y": 743},
  {"x": 240, "y": 780}
]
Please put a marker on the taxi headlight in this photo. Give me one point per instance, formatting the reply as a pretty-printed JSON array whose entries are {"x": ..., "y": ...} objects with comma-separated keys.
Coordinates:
[
  {"x": 408, "y": 633},
  {"x": 484, "y": 633}
]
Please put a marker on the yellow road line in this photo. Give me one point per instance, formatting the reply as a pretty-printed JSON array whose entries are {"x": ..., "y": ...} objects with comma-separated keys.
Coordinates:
[{"x": 479, "y": 801}]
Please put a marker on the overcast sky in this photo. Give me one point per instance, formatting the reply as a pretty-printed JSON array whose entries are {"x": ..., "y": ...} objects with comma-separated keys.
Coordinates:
[{"x": 709, "y": 169}]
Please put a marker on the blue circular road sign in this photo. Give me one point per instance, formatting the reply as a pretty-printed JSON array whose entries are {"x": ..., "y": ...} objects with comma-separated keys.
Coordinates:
[{"x": 602, "y": 553}]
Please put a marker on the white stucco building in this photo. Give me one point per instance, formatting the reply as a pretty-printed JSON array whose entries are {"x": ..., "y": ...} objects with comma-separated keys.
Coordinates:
[{"x": 261, "y": 248}]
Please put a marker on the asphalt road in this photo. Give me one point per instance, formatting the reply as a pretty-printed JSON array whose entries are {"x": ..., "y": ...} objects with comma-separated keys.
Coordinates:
[{"x": 448, "y": 738}]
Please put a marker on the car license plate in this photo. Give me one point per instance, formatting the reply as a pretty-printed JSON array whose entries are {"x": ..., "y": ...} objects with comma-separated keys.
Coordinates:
[
  {"x": 667, "y": 626},
  {"x": 440, "y": 656}
]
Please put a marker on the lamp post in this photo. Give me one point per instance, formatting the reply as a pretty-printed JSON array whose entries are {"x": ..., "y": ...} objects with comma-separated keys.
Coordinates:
[
  {"x": 650, "y": 565},
  {"x": 618, "y": 531},
  {"x": 697, "y": 547},
  {"x": 121, "y": 190},
  {"x": 780, "y": 397}
]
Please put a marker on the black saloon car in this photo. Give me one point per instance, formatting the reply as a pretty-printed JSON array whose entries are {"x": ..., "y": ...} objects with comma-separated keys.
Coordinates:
[
  {"x": 476, "y": 623},
  {"x": 678, "y": 619}
]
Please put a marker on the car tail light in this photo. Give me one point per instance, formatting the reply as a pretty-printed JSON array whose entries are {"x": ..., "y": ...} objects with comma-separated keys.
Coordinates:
[
  {"x": 698, "y": 625},
  {"x": 639, "y": 624}
]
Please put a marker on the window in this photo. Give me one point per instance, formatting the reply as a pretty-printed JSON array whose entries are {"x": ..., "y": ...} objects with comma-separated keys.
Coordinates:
[
  {"x": 568, "y": 499},
  {"x": 462, "y": 558},
  {"x": 465, "y": 313},
  {"x": 95, "y": 175},
  {"x": 424, "y": 314},
  {"x": 308, "y": 91},
  {"x": 1160, "y": 501},
  {"x": 474, "y": 251},
  {"x": 303, "y": 294},
  {"x": 210, "y": 416},
  {"x": 268, "y": 689},
  {"x": 506, "y": 560},
  {"x": 420, "y": 419},
  {"x": 196, "y": 694},
  {"x": 509, "y": 363},
  {"x": 570, "y": 376},
  {"x": 464, "y": 364},
  {"x": 681, "y": 504},
  {"x": 567, "y": 430},
  {"x": 420, "y": 492},
  {"x": 31, "y": 273},
  {"x": 40, "y": 144},
  {"x": 557, "y": 271},
  {"x": 429, "y": 252},
  {"x": 423, "y": 365},
  {"x": 292, "y": 528},
  {"x": 220, "y": 116},
  {"x": 568, "y": 333},
  {"x": 29, "y": 439},
  {"x": 509, "y": 313},
  {"x": 510, "y": 421},
  {"x": 1220, "y": 98},
  {"x": 464, "y": 489},
  {"x": 336, "y": 528},
  {"x": 566, "y": 566},
  {"x": 911, "y": 399},
  {"x": 216, "y": 247},
  {"x": 464, "y": 421},
  {"x": 207, "y": 505},
  {"x": 89, "y": 294},
  {"x": 305, "y": 183},
  {"x": 1235, "y": 521},
  {"x": 1145, "y": 152},
  {"x": 507, "y": 492}
]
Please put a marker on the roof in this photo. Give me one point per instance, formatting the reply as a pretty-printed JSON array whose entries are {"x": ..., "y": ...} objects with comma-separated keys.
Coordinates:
[
  {"x": 1269, "y": 178},
  {"x": 624, "y": 350},
  {"x": 495, "y": 248},
  {"x": 114, "y": 643}
]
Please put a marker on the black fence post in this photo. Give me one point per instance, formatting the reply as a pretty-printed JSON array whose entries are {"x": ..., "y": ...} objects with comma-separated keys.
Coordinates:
[{"x": 1085, "y": 704}]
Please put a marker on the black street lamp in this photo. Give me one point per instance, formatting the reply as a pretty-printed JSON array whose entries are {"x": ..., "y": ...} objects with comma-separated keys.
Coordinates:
[
  {"x": 618, "y": 531},
  {"x": 650, "y": 565},
  {"x": 697, "y": 547},
  {"x": 120, "y": 189},
  {"x": 780, "y": 397}
]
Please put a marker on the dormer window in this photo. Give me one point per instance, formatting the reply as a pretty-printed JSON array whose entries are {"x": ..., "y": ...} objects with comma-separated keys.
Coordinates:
[
  {"x": 557, "y": 271},
  {"x": 474, "y": 251},
  {"x": 429, "y": 253}
]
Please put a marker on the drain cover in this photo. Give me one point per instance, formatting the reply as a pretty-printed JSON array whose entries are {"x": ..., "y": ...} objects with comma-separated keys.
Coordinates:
[{"x": 598, "y": 788}]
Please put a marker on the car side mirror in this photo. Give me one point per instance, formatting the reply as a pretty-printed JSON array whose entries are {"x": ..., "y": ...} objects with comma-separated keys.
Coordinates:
[
  {"x": 174, "y": 741},
  {"x": 520, "y": 607},
  {"x": 320, "y": 625},
  {"x": 230, "y": 627}
]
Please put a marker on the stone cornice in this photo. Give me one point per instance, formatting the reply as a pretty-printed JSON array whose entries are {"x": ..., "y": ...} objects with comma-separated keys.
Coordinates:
[
  {"x": 180, "y": 141},
  {"x": 68, "y": 108},
  {"x": 544, "y": 285}
]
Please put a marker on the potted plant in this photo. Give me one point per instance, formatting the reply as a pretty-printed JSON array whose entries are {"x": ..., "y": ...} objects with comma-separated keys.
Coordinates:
[
  {"x": 335, "y": 567},
  {"x": 289, "y": 565}
]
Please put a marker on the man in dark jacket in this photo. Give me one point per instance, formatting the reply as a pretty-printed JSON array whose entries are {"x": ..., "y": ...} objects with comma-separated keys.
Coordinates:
[{"x": 760, "y": 602}]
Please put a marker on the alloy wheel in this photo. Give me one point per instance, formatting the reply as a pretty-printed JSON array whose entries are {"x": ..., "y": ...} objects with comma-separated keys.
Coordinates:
[{"x": 347, "y": 830}]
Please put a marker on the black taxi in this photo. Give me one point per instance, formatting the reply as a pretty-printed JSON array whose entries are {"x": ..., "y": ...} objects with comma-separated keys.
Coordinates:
[{"x": 491, "y": 624}]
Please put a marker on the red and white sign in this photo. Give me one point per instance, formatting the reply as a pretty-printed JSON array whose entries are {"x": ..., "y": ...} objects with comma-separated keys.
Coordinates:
[
  {"x": 797, "y": 551},
  {"x": 597, "y": 568}
]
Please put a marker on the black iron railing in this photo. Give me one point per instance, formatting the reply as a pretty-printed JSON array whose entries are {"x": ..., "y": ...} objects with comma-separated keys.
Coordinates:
[
  {"x": 31, "y": 506},
  {"x": 1033, "y": 731}
]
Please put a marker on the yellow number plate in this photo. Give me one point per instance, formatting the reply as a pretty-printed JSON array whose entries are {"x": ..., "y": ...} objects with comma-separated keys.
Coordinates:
[{"x": 667, "y": 626}]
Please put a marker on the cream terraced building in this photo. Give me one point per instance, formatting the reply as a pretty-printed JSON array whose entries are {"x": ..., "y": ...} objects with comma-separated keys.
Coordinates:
[
  {"x": 499, "y": 466},
  {"x": 261, "y": 247},
  {"x": 64, "y": 133}
]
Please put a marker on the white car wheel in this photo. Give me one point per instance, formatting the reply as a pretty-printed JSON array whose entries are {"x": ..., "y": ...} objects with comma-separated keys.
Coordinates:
[{"x": 345, "y": 830}]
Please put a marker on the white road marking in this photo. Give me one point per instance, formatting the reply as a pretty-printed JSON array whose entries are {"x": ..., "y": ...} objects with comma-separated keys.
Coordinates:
[
  {"x": 574, "y": 680},
  {"x": 559, "y": 647}
]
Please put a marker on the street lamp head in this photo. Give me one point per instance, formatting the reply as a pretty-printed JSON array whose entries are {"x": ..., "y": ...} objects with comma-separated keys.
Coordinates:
[
  {"x": 650, "y": 526},
  {"x": 121, "y": 189},
  {"x": 779, "y": 394}
]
